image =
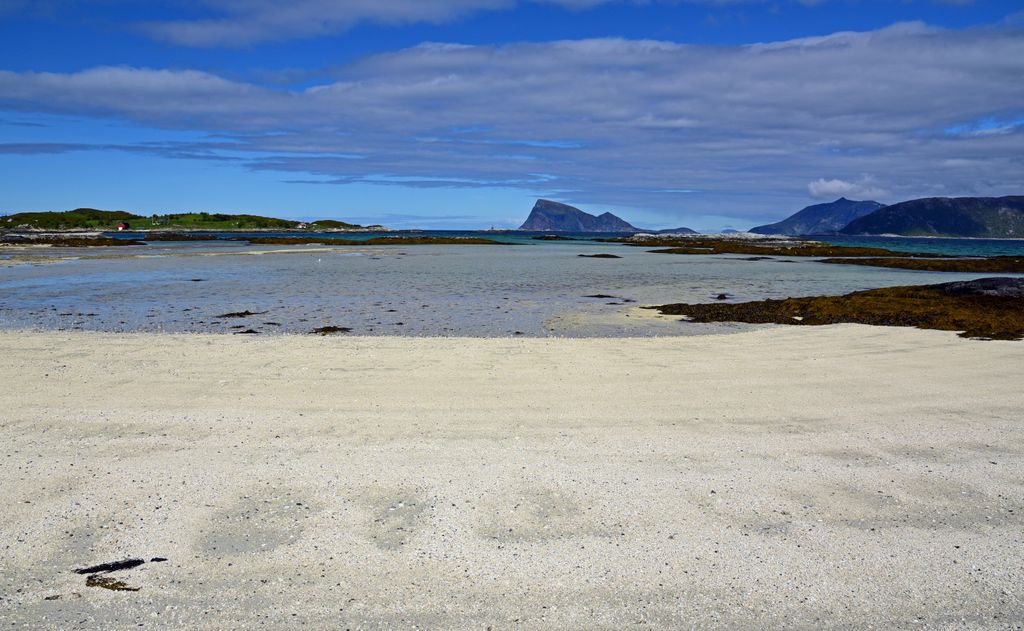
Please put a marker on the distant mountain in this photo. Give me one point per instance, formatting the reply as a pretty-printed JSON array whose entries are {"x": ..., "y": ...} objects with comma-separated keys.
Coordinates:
[
  {"x": 821, "y": 218},
  {"x": 549, "y": 216},
  {"x": 673, "y": 231},
  {"x": 988, "y": 217}
]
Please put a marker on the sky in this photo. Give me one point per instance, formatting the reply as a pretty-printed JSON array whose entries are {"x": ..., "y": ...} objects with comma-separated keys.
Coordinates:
[{"x": 446, "y": 114}]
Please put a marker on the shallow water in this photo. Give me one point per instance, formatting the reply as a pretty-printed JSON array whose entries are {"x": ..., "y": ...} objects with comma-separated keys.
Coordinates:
[
  {"x": 956, "y": 247},
  {"x": 533, "y": 289}
]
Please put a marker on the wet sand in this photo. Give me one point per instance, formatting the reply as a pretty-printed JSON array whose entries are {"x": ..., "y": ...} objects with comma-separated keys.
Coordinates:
[{"x": 841, "y": 476}]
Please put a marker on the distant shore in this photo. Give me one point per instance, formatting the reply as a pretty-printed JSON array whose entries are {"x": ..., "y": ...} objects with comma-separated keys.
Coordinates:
[
  {"x": 89, "y": 231},
  {"x": 295, "y": 237}
]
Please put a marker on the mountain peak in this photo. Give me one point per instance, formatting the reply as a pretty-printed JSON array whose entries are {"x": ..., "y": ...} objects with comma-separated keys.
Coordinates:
[{"x": 551, "y": 216}]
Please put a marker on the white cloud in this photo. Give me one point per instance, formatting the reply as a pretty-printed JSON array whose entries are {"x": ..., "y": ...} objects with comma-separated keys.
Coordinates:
[
  {"x": 866, "y": 188},
  {"x": 823, "y": 188},
  {"x": 613, "y": 120},
  {"x": 243, "y": 22}
]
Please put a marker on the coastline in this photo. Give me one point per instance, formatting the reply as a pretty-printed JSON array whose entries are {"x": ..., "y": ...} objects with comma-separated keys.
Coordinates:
[{"x": 798, "y": 476}]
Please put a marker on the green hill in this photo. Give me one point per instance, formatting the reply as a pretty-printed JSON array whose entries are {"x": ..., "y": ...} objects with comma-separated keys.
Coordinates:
[
  {"x": 216, "y": 221},
  {"x": 92, "y": 219},
  {"x": 80, "y": 218},
  {"x": 333, "y": 224}
]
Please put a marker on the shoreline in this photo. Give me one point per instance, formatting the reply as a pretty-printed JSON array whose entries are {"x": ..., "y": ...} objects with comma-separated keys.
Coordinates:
[{"x": 793, "y": 476}]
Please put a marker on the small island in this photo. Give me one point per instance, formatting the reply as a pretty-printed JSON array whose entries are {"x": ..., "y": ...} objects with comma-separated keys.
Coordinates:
[{"x": 91, "y": 219}]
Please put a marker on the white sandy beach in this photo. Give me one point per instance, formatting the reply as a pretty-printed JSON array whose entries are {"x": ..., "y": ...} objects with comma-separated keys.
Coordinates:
[{"x": 794, "y": 477}]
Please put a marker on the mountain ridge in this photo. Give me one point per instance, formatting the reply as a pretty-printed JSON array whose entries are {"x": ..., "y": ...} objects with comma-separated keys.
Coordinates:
[
  {"x": 827, "y": 218},
  {"x": 979, "y": 217}
]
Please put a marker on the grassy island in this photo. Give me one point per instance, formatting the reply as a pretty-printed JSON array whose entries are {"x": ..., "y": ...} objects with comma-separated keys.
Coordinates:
[{"x": 108, "y": 220}]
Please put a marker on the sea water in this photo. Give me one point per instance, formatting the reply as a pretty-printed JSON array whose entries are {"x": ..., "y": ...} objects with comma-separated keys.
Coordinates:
[{"x": 531, "y": 288}]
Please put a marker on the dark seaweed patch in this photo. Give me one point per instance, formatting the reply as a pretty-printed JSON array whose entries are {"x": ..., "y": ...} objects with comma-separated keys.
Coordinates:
[
  {"x": 988, "y": 308},
  {"x": 113, "y": 566},
  {"x": 329, "y": 330},
  {"x": 108, "y": 582}
]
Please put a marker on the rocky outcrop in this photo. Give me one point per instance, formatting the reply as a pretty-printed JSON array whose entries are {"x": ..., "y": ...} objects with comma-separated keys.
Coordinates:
[{"x": 549, "y": 216}]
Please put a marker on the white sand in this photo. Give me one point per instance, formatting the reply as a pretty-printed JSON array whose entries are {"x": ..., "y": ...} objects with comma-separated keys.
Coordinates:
[{"x": 790, "y": 477}]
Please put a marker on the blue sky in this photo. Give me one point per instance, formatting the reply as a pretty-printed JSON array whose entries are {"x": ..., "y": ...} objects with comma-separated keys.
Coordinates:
[{"x": 459, "y": 113}]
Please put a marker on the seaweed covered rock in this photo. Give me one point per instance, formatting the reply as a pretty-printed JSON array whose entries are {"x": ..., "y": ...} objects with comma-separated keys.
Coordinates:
[{"x": 988, "y": 308}]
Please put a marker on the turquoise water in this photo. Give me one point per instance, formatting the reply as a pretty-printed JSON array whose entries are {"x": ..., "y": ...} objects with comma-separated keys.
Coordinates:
[
  {"x": 504, "y": 236},
  {"x": 959, "y": 247},
  {"x": 531, "y": 288}
]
